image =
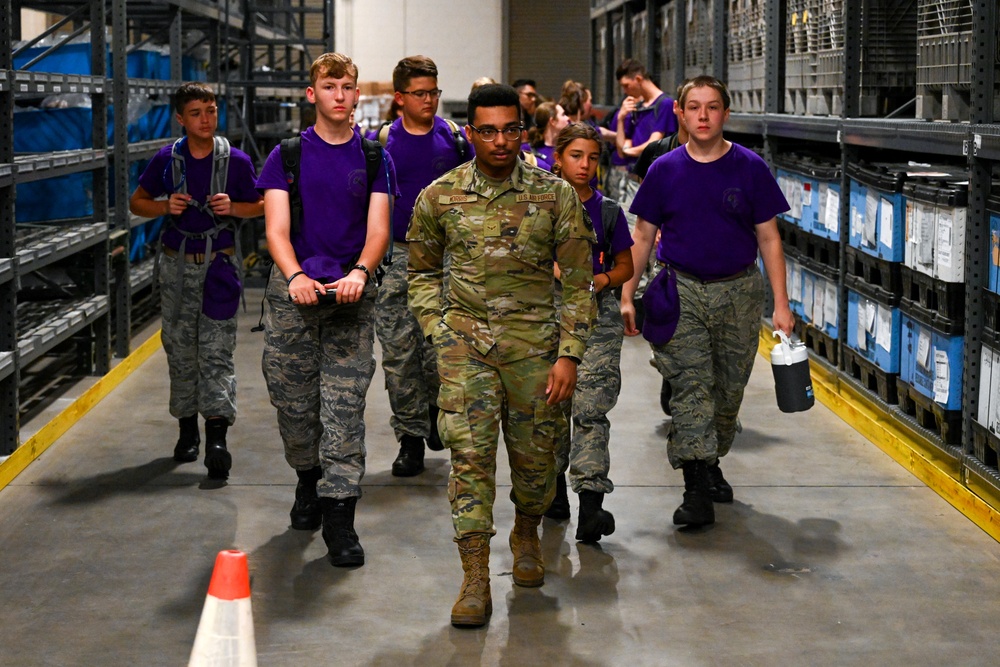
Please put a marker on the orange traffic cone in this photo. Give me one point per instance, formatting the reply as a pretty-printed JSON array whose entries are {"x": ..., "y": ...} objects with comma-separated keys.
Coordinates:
[{"x": 225, "y": 633}]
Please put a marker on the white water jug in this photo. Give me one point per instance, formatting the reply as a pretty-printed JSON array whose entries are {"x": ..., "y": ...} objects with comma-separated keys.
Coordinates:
[{"x": 792, "y": 382}]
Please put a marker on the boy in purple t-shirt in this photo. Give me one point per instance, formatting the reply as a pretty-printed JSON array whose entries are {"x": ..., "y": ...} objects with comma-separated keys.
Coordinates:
[
  {"x": 714, "y": 203},
  {"x": 199, "y": 317},
  {"x": 423, "y": 147},
  {"x": 319, "y": 330}
]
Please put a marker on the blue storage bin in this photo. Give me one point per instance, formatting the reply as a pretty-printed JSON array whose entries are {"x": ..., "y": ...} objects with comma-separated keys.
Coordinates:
[
  {"x": 69, "y": 196},
  {"x": 820, "y": 298},
  {"x": 143, "y": 64},
  {"x": 873, "y": 324},
  {"x": 884, "y": 210},
  {"x": 67, "y": 59},
  {"x": 932, "y": 351},
  {"x": 62, "y": 129}
]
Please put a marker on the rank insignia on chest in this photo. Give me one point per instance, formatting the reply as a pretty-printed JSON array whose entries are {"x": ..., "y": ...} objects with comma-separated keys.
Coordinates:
[
  {"x": 456, "y": 199},
  {"x": 491, "y": 227},
  {"x": 535, "y": 198}
]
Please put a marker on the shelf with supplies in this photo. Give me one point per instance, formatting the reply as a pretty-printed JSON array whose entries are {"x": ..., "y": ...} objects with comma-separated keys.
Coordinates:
[
  {"x": 51, "y": 243},
  {"x": 49, "y": 323}
]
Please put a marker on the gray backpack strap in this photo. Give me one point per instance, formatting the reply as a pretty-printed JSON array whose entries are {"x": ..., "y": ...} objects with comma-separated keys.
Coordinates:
[
  {"x": 220, "y": 165},
  {"x": 609, "y": 218},
  {"x": 177, "y": 166}
]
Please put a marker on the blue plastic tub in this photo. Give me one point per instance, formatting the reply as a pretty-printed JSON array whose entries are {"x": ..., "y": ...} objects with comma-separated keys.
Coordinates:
[
  {"x": 931, "y": 356},
  {"x": 873, "y": 324}
]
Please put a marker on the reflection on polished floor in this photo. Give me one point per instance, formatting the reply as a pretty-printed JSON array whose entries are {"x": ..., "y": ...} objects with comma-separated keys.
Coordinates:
[{"x": 832, "y": 554}]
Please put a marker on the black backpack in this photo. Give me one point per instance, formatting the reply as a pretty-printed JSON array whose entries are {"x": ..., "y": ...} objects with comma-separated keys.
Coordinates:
[
  {"x": 461, "y": 143},
  {"x": 609, "y": 218}
]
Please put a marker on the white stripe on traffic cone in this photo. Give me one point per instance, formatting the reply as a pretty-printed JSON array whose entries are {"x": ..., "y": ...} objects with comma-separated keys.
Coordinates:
[{"x": 225, "y": 633}]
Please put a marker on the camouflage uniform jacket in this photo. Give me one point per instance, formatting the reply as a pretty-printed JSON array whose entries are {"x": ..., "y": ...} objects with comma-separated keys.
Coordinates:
[{"x": 502, "y": 239}]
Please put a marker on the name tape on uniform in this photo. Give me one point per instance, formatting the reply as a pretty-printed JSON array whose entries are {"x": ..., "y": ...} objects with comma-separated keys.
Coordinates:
[{"x": 457, "y": 199}]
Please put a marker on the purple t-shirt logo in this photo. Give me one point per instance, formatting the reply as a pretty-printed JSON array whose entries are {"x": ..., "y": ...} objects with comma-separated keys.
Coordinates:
[
  {"x": 357, "y": 182},
  {"x": 732, "y": 200}
]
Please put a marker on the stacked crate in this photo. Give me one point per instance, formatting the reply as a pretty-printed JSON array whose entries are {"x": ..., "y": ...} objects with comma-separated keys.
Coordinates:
[
  {"x": 944, "y": 60},
  {"x": 888, "y": 55},
  {"x": 986, "y": 425},
  {"x": 697, "y": 43},
  {"x": 933, "y": 300},
  {"x": 747, "y": 33},
  {"x": 810, "y": 231},
  {"x": 800, "y": 60}
]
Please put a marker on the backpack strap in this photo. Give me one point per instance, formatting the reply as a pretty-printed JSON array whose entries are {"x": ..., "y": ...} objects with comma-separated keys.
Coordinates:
[
  {"x": 461, "y": 143},
  {"x": 220, "y": 165},
  {"x": 291, "y": 158},
  {"x": 178, "y": 170},
  {"x": 609, "y": 219},
  {"x": 375, "y": 159},
  {"x": 383, "y": 132}
]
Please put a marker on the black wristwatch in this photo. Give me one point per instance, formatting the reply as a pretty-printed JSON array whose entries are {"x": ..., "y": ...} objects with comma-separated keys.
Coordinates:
[{"x": 363, "y": 268}]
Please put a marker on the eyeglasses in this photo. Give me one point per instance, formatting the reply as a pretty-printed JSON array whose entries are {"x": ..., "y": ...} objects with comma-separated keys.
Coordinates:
[
  {"x": 489, "y": 134},
  {"x": 424, "y": 94}
]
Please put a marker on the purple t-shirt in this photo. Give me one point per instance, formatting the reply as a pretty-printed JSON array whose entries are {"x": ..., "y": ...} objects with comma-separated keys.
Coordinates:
[
  {"x": 419, "y": 159},
  {"x": 620, "y": 239},
  {"x": 334, "y": 188},
  {"x": 707, "y": 212},
  {"x": 644, "y": 121},
  {"x": 543, "y": 158},
  {"x": 158, "y": 180},
  {"x": 616, "y": 159}
]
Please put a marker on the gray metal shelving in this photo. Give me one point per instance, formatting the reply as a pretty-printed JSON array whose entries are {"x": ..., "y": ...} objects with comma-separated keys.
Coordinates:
[{"x": 974, "y": 143}]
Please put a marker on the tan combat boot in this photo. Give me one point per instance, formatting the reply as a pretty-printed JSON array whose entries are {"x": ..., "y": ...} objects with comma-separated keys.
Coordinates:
[
  {"x": 475, "y": 604},
  {"x": 529, "y": 571}
]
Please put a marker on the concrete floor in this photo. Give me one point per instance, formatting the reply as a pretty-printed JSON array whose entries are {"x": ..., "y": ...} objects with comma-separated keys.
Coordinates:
[{"x": 832, "y": 554}]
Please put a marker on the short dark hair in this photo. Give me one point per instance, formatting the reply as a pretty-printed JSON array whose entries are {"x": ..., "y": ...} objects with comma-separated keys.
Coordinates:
[
  {"x": 493, "y": 95},
  {"x": 631, "y": 67},
  {"x": 189, "y": 92},
  {"x": 333, "y": 65},
  {"x": 412, "y": 67},
  {"x": 705, "y": 81},
  {"x": 521, "y": 83}
]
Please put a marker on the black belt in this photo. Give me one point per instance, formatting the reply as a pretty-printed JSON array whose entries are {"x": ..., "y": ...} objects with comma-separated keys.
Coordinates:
[{"x": 734, "y": 276}]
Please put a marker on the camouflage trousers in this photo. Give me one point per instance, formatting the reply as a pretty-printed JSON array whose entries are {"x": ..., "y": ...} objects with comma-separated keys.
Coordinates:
[
  {"x": 318, "y": 363},
  {"x": 480, "y": 394},
  {"x": 411, "y": 377},
  {"x": 708, "y": 363},
  {"x": 199, "y": 349},
  {"x": 598, "y": 383}
]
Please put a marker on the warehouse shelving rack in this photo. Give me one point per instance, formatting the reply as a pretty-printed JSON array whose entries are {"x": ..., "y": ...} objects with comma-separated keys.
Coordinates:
[
  {"x": 975, "y": 143},
  {"x": 258, "y": 65}
]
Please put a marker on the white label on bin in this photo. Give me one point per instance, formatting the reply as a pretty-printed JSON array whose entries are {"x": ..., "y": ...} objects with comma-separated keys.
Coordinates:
[
  {"x": 871, "y": 312},
  {"x": 832, "y": 211},
  {"x": 985, "y": 380},
  {"x": 925, "y": 235},
  {"x": 943, "y": 250},
  {"x": 857, "y": 222},
  {"x": 924, "y": 350},
  {"x": 883, "y": 333},
  {"x": 830, "y": 304},
  {"x": 886, "y": 221},
  {"x": 871, "y": 217},
  {"x": 796, "y": 203},
  {"x": 796, "y": 284},
  {"x": 807, "y": 294},
  {"x": 941, "y": 373},
  {"x": 819, "y": 296},
  {"x": 862, "y": 331},
  {"x": 807, "y": 194}
]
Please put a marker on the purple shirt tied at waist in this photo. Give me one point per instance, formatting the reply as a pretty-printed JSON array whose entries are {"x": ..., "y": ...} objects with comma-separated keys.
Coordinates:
[
  {"x": 708, "y": 211},
  {"x": 158, "y": 180},
  {"x": 334, "y": 188}
]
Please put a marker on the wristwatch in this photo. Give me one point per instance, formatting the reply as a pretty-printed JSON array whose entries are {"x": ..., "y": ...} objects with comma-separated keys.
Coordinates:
[{"x": 363, "y": 268}]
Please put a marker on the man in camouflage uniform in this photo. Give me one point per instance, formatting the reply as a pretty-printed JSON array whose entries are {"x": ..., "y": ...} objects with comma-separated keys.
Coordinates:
[{"x": 506, "y": 353}]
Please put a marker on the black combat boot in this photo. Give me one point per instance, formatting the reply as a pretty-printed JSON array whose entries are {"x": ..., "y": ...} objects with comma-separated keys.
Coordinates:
[
  {"x": 306, "y": 513},
  {"x": 186, "y": 449},
  {"x": 338, "y": 532},
  {"x": 697, "y": 508},
  {"x": 559, "y": 509},
  {"x": 665, "y": 393},
  {"x": 594, "y": 520},
  {"x": 718, "y": 487},
  {"x": 410, "y": 460},
  {"x": 434, "y": 439},
  {"x": 218, "y": 460}
]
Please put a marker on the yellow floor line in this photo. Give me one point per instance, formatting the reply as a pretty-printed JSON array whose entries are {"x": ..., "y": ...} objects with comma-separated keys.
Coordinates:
[
  {"x": 939, "y": 472},
  {"x": 48, "y": 434}
]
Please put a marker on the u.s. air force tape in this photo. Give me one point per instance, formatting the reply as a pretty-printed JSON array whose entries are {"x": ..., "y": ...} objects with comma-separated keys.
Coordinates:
[{"x": 546, "y": 196}]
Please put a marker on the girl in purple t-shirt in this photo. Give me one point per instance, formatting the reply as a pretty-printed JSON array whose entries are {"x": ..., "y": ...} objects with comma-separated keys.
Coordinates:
[
  {"x": 577, "y": 152},
  {"x": 550, "y": 119},
  {"x": 714, "y": 203}
]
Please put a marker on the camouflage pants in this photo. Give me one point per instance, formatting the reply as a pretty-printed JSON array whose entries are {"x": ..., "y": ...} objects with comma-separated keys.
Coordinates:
[
  {"x": 408, "y": 362},
  {"x": 199, "y": 349},
  {"x": 598, "y": 383},
  {"x": 708, "y": 363},
  {"x": 318, "y": 362},
  {"x": 480, "y": 394}
]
